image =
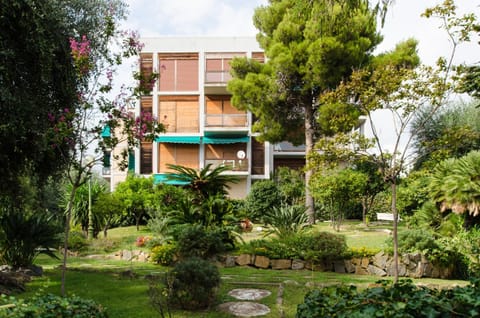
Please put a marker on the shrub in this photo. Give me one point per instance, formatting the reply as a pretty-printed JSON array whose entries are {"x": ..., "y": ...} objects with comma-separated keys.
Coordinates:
[
  {"x": 286, "y": 220},
  {"x": 317, "y": 246},
  {"x": 403, "y": 299},
  {"x": 196, "y": 241},
  {"x": 262, "y": 197},
  {"x": 25, "y": 235},
  {"x": 320, "y": 246},
  {"x": 51, "y": 306},
  {"x": 163, "y": 254},
  {"x": 77, "y": 241},
  {"x": 192, "y": 284}
]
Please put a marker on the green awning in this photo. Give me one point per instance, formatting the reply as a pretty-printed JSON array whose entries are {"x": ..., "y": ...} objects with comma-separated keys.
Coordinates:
[
  {"x": 179, "y": 139},
  {"x": 106, "y": 132},
  {"x": 225, "y": 140},
  {"x": 162, "y": 178}
]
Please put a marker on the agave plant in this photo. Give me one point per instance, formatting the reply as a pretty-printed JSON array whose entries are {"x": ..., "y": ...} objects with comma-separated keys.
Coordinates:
[{"x": 286, "y": 220}]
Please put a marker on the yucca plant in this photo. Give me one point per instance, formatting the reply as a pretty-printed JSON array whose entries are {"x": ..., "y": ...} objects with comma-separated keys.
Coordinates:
[
  {"x": 25, "y": 236},
  {"x": 286, "y": 220}
]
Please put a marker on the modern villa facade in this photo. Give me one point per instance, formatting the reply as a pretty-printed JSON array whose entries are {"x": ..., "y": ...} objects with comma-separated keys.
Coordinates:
[{"x": 202, "y": 126}]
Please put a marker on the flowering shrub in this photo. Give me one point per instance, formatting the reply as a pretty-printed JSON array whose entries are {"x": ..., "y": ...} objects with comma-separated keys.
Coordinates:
[
  {"x": 164, "y": 254},
  {"x": 141, "y": 241}
]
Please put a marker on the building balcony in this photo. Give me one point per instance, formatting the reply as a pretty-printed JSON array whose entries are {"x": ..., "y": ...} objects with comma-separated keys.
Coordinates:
[
  {"x": 226, "y": 122},
  {"x": 216, "y": 82},
  {"x": 235, "y": 166}
]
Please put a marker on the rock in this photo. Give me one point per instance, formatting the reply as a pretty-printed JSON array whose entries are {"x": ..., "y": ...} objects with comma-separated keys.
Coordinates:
[
  {"x": 243, "y": 259},
  {"x": 127, "y": 255},
  {"x": 298, "y": 264},
  {"x": 349, "y": 266},
  {"x": 374, "y": 270},
  {"x": 339, "y": 266},
  {"x": 262, "y": 261},
  {"x": 281, "y": 263},
  {"x": 380, "y": 260},
  {"x": 365, "y": 262},
  {"x": 229, "y": 261}
]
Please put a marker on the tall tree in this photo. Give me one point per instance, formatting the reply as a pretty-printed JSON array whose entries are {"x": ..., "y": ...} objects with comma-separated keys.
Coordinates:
[
  {"x": 311, "y": 46},
  {"x": 36, "y": 78}
]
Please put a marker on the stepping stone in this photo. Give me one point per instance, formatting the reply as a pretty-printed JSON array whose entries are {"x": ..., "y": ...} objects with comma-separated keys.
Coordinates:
[
  {"x": 244, "y": 309},
  {"x": 249, "y": 293}
]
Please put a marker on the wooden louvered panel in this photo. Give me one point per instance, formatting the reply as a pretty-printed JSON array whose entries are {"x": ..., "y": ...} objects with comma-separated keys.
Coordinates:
[
  {"x": 167, "y": 115},
  {"x": 187, "y": 116},
  {"x": 258, "y": 157},
  {"x": 167, "y": 76},
  {"x": 187, "y": 155},
  {"x": 187, "y": 75},
  {"x": 146, "y": 104},
  {"x": 166, "y": 155}
]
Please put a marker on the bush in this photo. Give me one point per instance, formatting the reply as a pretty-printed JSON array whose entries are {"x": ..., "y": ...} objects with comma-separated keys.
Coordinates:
[
  {"x": 163, "y": 254},
  {"x": 262, "y": 197},
  {"x": 196, "y": 241},
  {"x": 403, "y": 299},
  {"x": 192, "y": 284},
  {"x": 77, "y": 241},
  {"x": 317, "y": 246},
  {"x": 44, "y": 306},
  {"x": 286, "y": 220},
  {"x": 25, "y": 235}
]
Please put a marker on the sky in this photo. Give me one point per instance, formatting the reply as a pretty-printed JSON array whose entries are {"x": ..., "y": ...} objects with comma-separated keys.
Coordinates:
[{"x": 153, "y": 18}]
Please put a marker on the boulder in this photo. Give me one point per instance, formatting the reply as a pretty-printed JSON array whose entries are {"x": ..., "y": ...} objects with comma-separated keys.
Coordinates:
[
  {"x": 262, "y": 261},
  {"x": 281, "y": 263},
  {"x": 298, "y": 264},
  {"x": 229, "y": 261},
  {"x": 374, "y": 270},
  {"x": 349, "y": 266},
  {"x": 243, "y": 259}
]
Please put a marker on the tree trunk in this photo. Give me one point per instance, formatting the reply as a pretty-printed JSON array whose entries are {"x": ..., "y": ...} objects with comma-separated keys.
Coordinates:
[
  {"x": 364, "y": 212},
  {"x": 395, "y": 230},
  {"x": 67, "y": 232},
  {"x": 309, "y": 204}
]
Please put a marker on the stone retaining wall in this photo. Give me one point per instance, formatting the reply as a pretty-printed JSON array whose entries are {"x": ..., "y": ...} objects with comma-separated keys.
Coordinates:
[{"x": 381, "y": 264}]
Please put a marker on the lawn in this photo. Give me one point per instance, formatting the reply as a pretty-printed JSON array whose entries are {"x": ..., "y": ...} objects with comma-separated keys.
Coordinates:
[{"x": 122, "y": 287}]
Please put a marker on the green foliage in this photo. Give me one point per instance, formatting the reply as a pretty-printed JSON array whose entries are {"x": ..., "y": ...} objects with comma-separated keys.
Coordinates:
[
  {"x": 291, "y": 184},
  {"x": 192, "y": 284},
  {"x": 263, "y": 196},
  {"x": 315, "y": 247},
  {"x": 137, "y": 196},
  {"x": 163, "y": 254},
  {"x": 77, "y": 241},
  {"x": 466, "y": 242},
  {"x": 205, "y": 182},
  {"x": 37, "y": 79},
  {"x": 286, "y": 220},
  {"x": 337, "y": 190},
  {"x": 455, "y": 185},
  {"x": 26, "y": 235},
  {"x": 453, "y": 131},
  {"x": 194, "y": 240},
  {"x": 48, "y": 305},
  {"x": 402, "y": 299}
]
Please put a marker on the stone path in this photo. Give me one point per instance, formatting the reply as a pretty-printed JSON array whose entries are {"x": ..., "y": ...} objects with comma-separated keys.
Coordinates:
[{"x": 247, "y": 305}]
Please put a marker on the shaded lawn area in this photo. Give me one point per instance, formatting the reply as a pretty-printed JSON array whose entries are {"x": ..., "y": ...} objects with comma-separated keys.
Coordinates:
[{"x": 127, "y": 295}]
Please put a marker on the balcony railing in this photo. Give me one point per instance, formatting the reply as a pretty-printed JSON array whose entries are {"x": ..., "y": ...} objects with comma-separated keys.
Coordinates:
[
  {"x": 226, "y": 120},
  {"x": 217, "y": 77},
  {"x": 232, "y": 164}
]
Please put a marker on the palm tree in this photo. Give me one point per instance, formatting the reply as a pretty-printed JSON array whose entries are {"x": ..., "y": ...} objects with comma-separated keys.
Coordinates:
[
  {"x": 456, "y": 185},
  {"x": 203, "y": 182}
]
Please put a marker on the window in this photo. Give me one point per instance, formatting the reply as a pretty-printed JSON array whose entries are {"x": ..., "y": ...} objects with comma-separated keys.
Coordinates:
[
  {"x": 178, "y": 72},
  {"x": 179, "y": 113}
]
